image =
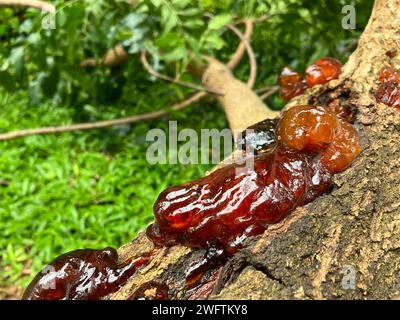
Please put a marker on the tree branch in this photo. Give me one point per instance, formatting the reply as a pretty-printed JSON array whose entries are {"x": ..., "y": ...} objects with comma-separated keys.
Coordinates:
[
  {"x": 269, "y": 92},
  {"x": 241, "y": 49},
  {"x": 149, "y": 69},
  {"x": 246, "y": 43},
  {"x": 114, "y": 57},
  {"x": 102, "y": 124}
]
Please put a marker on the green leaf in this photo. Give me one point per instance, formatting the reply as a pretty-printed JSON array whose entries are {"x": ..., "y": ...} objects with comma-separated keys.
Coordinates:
[
  {"x": 190, "y": 12},
  {"x": 132, "y": 20},
  {"x": 26, "y": 26},
  {"x": 169, "y": 18},
  {"x": 16, "y": 59},
  {"x": 156, "y": 3},
  {"x": 219, "y": 21},
  {"x": 169, "y": 40},
  {"x": 175, "y": 55},
  {"x": 180, "y": 3},
  {"x": 193, "y": 23},
  {"x": 214, "y": 41}
]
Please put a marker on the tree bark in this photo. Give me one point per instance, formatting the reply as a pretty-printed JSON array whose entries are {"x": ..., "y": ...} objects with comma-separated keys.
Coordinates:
[{"x": 352, "y": 233}]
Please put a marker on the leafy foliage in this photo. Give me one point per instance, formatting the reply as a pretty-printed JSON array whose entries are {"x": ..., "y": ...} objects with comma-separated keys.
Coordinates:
[{"x": 47, "y": 61}]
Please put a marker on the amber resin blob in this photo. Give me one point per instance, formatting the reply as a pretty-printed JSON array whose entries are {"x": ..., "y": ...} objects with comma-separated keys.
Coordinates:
[
  {"x": 321, "y": 71},
  {"x": 291, "y": 84},
  {"x": 83, "y": 274},
  {"x": 389, "y": 89},
  {"x": 224, "y": 208}
]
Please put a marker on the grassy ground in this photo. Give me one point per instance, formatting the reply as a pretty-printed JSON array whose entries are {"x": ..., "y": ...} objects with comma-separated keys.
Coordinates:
[{"x": 82, "y": 189}]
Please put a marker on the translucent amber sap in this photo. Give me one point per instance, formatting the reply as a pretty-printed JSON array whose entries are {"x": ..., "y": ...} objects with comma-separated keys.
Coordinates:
[
  {"x": 389, "y": 90},
  {"x": 83, "y": 274},
  {"x": 224, "y": 208},
  {"x": 321, "y": 71}
]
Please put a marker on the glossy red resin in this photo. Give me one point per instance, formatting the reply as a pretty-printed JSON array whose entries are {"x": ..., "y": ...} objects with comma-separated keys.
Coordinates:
[
  {"x": 225, "y": 208},
  {"x": 83, "y": 274},
  {"x": 323, "y": 70},
  {"x": 389, "y": 74},
  {"x": 291, "y": 84},
  {"x": 389, "y": 90}
]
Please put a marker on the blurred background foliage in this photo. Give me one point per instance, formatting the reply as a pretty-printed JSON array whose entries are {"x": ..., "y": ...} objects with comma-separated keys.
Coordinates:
[{"x": 95, "y": 188}]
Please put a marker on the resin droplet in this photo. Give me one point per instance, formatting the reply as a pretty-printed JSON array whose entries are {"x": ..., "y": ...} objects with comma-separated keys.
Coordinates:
[
  {"x": 389, "y": 90},
  {"x": 83, "y": 274},
  {"x": 322, "y": 71},
  {"x": 291, "y": 84},
  {"x": 225, "y": 208}
]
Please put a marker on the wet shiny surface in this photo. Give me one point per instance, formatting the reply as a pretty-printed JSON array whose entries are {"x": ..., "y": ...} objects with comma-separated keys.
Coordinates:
[
  {"x": 389, "y": 90},
  {"x": 291, "y": 84},
  {"x": 259, "y": 137},
  {"x": 227, "y": 207},
  {"x": 322, "y": 71},
  {"x": 307, "y": 128},
  {"x": 83, "y": 274},
  {"x": 389, "y": 74},
  {"x": 340, "y": 154}
]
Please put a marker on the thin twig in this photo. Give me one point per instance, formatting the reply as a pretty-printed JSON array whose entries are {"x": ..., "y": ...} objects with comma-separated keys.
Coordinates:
[
  {"x": 250, "y": 52},
  {"x": 153, "y": 72},
  {"x": 113, "y": 57},
  {"x": 263, "y": 89},
  {"x": 263, "y": 18},
  {"x": 241, "y": 49},
  {"x": 103, "y": 124},
  {"x": 37, "y": 4},
  {"x": 269, "y": 92}
]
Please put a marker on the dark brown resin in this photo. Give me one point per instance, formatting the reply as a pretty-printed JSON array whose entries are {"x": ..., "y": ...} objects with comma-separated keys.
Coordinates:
[
  {"x": 83, "y": 274},
  {"x": 259, "y": 137}
]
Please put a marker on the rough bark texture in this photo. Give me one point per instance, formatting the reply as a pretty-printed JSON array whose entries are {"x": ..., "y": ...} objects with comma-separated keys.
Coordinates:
[{"x": 355, "y": 227}]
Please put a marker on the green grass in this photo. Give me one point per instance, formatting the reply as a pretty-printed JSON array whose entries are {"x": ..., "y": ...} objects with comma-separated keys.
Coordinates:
[{"x": 81, "y": 189}]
